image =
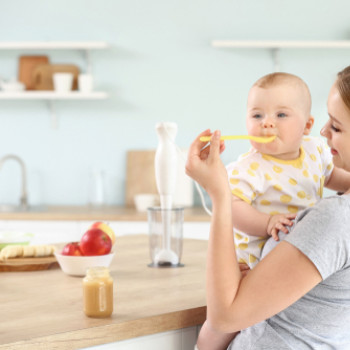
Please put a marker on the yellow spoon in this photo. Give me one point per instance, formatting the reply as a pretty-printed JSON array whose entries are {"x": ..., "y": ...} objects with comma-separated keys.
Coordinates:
[{"x": 241, "y": 137}]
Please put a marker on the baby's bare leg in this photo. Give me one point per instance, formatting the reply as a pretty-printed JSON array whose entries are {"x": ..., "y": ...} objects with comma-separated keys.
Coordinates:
[{"x": 210, "y": 339}]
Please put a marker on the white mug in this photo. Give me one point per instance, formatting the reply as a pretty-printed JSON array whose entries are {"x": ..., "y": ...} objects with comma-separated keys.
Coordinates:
[
  {"x": 85, "y": 82},
  {"x": 62, "y": 82}
]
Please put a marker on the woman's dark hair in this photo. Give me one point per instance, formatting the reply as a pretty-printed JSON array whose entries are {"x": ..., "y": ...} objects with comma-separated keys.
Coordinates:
[{"x": 343, "y": 85}]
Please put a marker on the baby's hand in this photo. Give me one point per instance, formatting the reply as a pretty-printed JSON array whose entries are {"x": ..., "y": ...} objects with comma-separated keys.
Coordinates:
[
  {"x": 279, "y": 222},
  {"x": 244, "y": 268}
]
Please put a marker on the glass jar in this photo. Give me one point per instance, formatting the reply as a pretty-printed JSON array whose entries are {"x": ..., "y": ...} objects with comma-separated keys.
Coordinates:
[
  {"x": 98, "y": 292},
  {"x": 165, "y": 236}
]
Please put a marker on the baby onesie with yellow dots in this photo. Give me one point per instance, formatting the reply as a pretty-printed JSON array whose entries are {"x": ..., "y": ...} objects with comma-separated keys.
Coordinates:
[{"x": 276, "y": 186}]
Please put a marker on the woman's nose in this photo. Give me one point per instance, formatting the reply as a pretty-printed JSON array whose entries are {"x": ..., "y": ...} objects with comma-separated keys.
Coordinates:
[{"x": 324, "y": 130}]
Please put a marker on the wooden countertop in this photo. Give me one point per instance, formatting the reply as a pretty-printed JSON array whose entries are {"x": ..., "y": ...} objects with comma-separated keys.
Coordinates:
[
  {"x": 44, "y": 309},
  {"x": 106, "y": 213}
]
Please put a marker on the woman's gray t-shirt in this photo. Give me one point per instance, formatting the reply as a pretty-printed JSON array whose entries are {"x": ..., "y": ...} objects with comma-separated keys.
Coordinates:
[{"x": 321, "y": 318}]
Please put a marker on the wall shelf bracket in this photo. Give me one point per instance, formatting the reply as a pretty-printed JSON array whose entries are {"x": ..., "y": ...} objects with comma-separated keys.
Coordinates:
[
  {"x": 275, "y": 51},
  {"x": 87, "y": 57},
  {"x": 52, "y": 109}
]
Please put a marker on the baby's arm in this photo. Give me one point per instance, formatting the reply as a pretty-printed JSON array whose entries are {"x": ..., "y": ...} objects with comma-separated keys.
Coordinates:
[
  {"x": 247, "y": 219},
  {"x": 339, "y": 180}
]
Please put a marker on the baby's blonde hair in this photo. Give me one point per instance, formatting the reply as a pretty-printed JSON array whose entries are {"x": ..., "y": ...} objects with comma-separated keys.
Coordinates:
[{"x": 278, "y": 78}]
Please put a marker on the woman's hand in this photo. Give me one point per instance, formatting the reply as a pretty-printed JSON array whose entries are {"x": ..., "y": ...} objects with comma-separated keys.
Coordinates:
[{"x": 205, "y": 166}]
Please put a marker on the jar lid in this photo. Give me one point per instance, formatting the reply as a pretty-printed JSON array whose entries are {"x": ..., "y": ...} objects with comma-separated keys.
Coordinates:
[{"x": 97, "y": 272}]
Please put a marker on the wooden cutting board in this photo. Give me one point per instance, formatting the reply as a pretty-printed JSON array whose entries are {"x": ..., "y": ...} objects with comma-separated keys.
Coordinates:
[
  {"x": 26, "y": 66},
  {"x": 141, "y": 178},
  {"x": 42, "y": 75},
  {"x": 28, "y": 264},
  {"x": 140, "y": 175}
]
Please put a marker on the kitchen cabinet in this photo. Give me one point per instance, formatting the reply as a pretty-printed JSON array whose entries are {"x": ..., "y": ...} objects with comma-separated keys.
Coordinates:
[
  {"x": 47, "y": 232},
  {"x": 276, "y": 45},
  {"x": 191, "y": 229},
  {"x": 51, "y": 96},
  {"x": 67, "y": 223},
  {"x": 183, "y": 339}
]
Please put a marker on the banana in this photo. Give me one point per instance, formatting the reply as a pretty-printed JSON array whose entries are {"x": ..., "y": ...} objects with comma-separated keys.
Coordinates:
[
  {"x": 28, "y": 251},
  {"x": 11, "y": 251},
  {"x": 43, "y": 250},
  {"x": 20, "y": 251}
]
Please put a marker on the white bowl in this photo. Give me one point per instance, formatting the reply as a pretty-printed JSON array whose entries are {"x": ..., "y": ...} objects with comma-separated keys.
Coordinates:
[
  {"x": 145, "y": 200},
  {"x": 77, "y": 265},
  {"x": 12, "y": 86}
]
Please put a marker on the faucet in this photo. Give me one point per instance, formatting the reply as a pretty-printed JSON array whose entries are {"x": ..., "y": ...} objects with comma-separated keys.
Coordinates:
[{"x": 24, "y": 198}]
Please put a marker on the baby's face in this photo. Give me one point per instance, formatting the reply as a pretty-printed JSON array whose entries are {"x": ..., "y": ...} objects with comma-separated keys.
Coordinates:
[{"x": 280, "y": 111}]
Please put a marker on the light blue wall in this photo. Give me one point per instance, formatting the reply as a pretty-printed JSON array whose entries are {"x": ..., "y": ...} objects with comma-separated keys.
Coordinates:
[{"x": 161, "y": 67}]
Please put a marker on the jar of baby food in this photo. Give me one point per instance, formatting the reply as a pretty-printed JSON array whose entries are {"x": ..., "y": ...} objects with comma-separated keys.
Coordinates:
[{"x": 98, "y": 292}]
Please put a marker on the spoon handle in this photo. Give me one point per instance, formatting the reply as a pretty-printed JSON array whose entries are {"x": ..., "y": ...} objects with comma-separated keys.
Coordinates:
[{"x": 258, "y": 139}]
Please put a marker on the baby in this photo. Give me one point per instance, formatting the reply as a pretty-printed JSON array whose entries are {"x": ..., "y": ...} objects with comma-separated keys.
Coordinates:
[{"x": 274, "y": 181}]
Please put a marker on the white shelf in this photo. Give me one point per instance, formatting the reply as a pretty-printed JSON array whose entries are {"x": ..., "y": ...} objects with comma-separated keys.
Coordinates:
[
  {"x": 52, "y": 95},
  {"x": 46, "y": 45},
  {"x": 275, "y": 44}
]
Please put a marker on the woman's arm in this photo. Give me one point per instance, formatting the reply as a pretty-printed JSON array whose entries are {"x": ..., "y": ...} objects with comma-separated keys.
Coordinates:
[{"x": 280, "y": 279}]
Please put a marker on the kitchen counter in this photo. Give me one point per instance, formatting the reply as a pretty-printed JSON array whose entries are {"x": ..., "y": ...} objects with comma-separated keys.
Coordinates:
[
  {"x": 44, "y": 309},
  {"x": 106, "y": 213}
]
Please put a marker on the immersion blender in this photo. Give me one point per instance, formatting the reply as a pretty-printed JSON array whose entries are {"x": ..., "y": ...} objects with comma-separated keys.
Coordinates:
[{"x": 166, "y": 170}]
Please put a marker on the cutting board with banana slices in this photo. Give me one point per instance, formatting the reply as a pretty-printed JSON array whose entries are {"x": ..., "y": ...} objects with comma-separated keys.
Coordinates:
[{"x": 27, "y": 258}]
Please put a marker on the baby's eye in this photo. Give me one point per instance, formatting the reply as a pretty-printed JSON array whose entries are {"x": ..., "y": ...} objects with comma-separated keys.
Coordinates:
[
  {"x": 257, "y": 116},
  {"x": 281, "y": 115},
  {"x": 334, "y": 128}
]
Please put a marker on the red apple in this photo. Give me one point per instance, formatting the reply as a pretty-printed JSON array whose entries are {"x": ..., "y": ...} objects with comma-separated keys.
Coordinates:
[
  {"x": 72, "y": 248},
  {"x": 106, "y": 228},
  {"x": 95, "y": 242}
]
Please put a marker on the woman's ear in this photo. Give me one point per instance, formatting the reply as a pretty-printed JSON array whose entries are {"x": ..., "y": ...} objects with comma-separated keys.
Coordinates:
[{"x": 309, "y": 124}]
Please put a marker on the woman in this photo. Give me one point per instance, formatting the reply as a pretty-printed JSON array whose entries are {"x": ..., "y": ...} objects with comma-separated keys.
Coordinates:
[{"x": 298, "y": 296}]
